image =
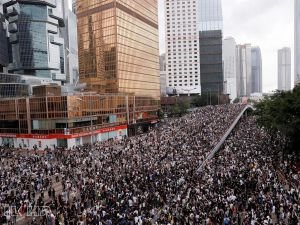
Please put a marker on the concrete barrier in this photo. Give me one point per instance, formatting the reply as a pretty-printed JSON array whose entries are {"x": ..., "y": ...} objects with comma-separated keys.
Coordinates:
[{"x": 223, "y": 139}]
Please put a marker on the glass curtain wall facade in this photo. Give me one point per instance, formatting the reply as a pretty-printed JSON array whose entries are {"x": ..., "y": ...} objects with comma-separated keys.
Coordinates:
[
  {"x": 36, "y": 46},
  {"x": 210, "y": 38},
  {"x": 77, "y": 113},
  {"x": 256, "y": 70},
  {"x": 118, "y": 46},
  {"x": 211, "y": 63},
  {"x": 211, "y": 16},
  {"x": 12, "y": 85},
  {"x": 3, "y": 42}
]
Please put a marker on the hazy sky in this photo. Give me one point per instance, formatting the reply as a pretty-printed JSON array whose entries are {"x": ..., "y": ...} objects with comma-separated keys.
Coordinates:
[{"x": 268, "y": 24}]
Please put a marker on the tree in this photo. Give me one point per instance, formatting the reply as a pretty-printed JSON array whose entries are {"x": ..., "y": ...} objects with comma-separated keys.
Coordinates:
[
  {"x": 280, "y": 116},
  {"x": 199, "y": 101},
  {"x": 236, "y": 100},
  {"x": 206, "y": 99},
  {"x": 180, "y": 108},
  {"x": 160, "y": 114}
]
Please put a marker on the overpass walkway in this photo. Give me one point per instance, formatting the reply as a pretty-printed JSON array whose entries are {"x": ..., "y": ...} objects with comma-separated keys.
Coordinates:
[{"x": 223, "y": 139}]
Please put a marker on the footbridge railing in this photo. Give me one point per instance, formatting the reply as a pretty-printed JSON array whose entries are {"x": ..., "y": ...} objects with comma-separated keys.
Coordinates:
[{"x": 223, "y": 139}]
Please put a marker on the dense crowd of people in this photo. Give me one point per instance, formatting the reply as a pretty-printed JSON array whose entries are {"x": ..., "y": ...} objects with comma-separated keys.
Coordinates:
[{"x": 153, "y": 178}]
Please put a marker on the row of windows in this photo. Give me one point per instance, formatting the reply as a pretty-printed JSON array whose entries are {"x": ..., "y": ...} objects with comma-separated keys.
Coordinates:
[
  {"x": 175, "y": 81},
  {"x": 182, "y": 10},
  {"x": 179, "y": 2},
  {"x": 185, "y": 73},
  {"x": 189, "y": 69},
  {"x": 178, "y": 30},
  {"x": 177, "y": 24},
  {"x": 185, "y": 65},
  {"x": 183, "y": 85},
  {"x": 184, "y": 46},
  {"x": 183, "y": 60},
  {"x": 184, "y": 33},
  {"x": 175, "y": 77},
  {"x": 179, "y": 14}
]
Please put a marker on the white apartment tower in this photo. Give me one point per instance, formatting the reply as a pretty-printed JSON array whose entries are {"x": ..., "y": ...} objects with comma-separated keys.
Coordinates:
[
  {"x": 244, "y": 70},
  {"x": 297, "y": 42},
  {"x": 182, "y": 46},
  {"x": 74, "y": 6},
  {"x": 230, "y": 67},
  {"x": 284, "y": 69}
]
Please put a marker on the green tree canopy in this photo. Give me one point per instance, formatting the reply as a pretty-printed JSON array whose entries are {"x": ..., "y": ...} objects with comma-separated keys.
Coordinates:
[{"x": 280, "y": 116}]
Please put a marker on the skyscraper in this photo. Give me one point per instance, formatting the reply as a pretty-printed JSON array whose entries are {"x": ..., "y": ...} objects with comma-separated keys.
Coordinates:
[
  {"x": 230, "y": 67},
  {"x": 256, "y": 76},
  {"x": 194, "y": 46},
  {"x": 182, "y": 46},
  {"x": 297, "y": 41},
  {"x": 211, "y": 66},
  {"x": 37, "y": 48},
  {"x": 211, "y": 26},
  {"x": 118, "y": 46},
  {"x": 163, "y": 79},
  {"x": 210, "y": 16},
  {"x": 162, "y": 62},
  {"x": 284, "y": 69},
  {"x": 69, "y": 33},
  {"x": 74, "y": 6},
  {"x": 244, "y": 70},
  {"x": 3, "y": 42}
]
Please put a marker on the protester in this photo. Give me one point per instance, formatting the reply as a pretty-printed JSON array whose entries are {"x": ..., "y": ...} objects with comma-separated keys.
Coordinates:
[{"x": 153, "y": 178}]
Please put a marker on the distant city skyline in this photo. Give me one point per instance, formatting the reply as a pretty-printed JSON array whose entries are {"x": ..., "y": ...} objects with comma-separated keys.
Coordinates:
[{"x": 257, "y": 23}]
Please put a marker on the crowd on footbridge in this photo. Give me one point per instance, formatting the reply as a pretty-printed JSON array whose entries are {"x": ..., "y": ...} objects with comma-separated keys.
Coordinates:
[{"x": 154, "y": 179}]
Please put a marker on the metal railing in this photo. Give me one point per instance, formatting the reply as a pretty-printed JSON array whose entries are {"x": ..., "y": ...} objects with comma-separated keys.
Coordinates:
[{"x": 223, "y": 139}]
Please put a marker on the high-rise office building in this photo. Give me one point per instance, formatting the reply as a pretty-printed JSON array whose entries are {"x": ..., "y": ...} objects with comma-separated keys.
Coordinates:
[
  {"x": 74, "y": 6},
  {"x": 163, "y": 73},
  {"x": 211, "y": 65},
  {"x": 182, "y": 46},
  {"x": 211, "y": 26},
  {"x": 194, "y": 46},
  {"x": 256, "y": 76},
  {"x": 69, "y": 33},
  {"x": 230, "y": 67},
  {"x": 162, "y": 62},
  {"x": 36, "y": 46},
  {"x": 244, "y": 70},
  {"x": 4, "y": 59},
  {"x": 118, "y": 46},
  {"x": 210, "y": 16},
  {"x": 284, "y": 69},
  {"x": 297, "y": 42}
]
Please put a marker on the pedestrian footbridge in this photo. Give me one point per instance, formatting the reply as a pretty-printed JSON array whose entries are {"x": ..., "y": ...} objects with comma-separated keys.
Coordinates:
[{"x": 228, "y": 132}]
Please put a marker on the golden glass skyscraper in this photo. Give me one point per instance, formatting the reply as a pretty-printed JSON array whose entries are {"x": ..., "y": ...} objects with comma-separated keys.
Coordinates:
[{"x": 118, "y": 46}]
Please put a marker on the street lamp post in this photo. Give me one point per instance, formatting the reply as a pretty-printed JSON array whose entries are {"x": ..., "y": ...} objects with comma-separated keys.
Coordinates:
[
  {"x": 218, "y": 94},
  {"x": 209, "y": 91}
]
